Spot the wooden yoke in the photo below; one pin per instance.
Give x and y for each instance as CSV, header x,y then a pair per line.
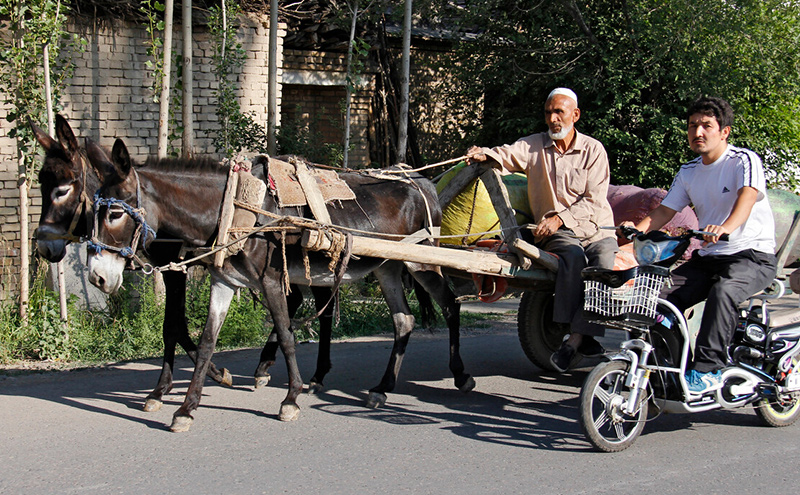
x,y
313,195
505,212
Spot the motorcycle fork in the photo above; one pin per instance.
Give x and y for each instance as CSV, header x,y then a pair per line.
x,y
639,375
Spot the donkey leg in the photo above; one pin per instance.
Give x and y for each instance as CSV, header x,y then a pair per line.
x,y
270,351
220,300
278,308
392,287
174,331
175,322
266,360
321,297
436,286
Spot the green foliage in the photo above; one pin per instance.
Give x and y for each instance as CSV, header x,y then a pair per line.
x,y
131,325
238,130
304,138
154,25
153,11
28,27
635,66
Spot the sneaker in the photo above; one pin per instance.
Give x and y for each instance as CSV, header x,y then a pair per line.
x,y
590,347
703,382
562,358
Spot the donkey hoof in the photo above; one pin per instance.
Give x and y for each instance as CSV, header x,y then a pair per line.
x,y
376,399
468,385
262,381
181,424
227,378
315,387
289,412
152,405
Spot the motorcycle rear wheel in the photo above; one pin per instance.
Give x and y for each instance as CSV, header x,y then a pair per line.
x,y
773,412
602,420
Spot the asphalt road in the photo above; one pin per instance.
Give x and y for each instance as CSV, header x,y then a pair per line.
x,y
517,432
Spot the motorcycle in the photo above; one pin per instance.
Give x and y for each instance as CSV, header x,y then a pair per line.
x,y
646,376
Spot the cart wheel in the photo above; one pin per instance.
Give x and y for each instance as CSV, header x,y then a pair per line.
x,y
538,335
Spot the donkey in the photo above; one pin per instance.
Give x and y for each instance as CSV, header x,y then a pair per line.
x,y
67,182
182,198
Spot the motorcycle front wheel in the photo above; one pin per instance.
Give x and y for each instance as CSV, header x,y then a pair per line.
x,y
602,419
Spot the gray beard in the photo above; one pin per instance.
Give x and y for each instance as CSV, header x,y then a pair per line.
x,y
559,135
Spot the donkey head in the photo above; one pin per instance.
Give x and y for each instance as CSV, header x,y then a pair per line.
x,y
117,220
62,180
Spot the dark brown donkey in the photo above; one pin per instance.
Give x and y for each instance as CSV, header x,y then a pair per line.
x,y
182,199
67,184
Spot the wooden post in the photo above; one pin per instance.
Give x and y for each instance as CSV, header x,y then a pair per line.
x,y
458,183
502,204
312,192
226,217
482,262
788,242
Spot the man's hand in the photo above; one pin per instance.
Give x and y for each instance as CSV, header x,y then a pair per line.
x,y
475,154
716,230
626,223
548,226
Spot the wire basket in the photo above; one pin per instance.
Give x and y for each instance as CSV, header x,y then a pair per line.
x,y
625,298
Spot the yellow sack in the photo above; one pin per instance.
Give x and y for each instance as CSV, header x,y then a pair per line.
x,y
460,217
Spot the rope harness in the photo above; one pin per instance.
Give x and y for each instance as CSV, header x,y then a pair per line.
x,y
137,215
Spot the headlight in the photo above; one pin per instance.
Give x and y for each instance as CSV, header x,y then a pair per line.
x,y
647,252
755,333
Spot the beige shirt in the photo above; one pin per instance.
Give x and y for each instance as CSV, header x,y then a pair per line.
x,y
572,185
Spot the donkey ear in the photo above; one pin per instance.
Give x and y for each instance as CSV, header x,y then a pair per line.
x,y
44,139
65,135
121,157
100,161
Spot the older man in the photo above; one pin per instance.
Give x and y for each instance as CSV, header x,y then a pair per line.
x,y
568,177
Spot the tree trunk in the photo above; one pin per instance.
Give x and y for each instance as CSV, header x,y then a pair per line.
x,y
272,74
349,82
187,148
24,248
402,134
58,268
163,116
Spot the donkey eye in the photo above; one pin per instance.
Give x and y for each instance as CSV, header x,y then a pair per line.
x,y
61,191
115,214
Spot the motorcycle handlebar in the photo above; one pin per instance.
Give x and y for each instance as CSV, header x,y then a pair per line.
x,y
630,233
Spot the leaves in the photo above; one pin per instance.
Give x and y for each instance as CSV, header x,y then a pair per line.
x,y
635,70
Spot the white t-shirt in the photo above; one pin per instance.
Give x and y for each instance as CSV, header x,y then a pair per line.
x,y
713,190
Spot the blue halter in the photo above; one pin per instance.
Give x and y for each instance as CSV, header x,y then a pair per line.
x,y
135,213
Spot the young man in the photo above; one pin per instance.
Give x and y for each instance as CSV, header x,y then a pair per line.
x,y
568,177
726,185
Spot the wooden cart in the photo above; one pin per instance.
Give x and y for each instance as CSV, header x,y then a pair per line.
x,y
525,267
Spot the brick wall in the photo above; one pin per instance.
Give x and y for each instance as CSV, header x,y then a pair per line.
x,y
314,95
109,97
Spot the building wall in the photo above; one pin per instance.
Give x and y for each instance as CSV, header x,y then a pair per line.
x,y
109,97
314,95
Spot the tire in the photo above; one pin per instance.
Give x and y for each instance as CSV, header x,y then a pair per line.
x,y
539,336
774,413
606,427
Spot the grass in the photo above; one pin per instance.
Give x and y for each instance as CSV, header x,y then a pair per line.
x,y
130,327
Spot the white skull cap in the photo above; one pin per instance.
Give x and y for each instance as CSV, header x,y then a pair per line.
x,y
564,91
